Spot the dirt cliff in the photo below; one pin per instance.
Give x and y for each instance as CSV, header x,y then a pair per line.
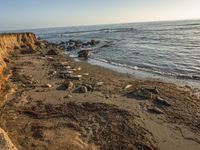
x,y
10,42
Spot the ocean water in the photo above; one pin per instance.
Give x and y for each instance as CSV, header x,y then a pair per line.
x,y
166,49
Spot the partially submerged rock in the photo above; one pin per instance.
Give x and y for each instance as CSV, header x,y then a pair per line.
x,y
84,53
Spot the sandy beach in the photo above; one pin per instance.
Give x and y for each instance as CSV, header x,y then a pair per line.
x,y
49,101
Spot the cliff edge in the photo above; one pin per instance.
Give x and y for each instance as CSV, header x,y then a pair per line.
x,y
9,43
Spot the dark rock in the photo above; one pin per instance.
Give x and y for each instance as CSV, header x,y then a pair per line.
x,y
28,50
83,89
105,46
86,44
6,60
89,87
141,94
84,53
162,101
52,52
62,43
93,42
153,90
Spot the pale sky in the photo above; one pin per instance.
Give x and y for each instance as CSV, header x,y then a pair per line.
x,y
26,14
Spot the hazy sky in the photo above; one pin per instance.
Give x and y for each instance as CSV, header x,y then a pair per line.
x,y
24,14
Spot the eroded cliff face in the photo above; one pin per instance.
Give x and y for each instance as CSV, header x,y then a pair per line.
x,y
10,42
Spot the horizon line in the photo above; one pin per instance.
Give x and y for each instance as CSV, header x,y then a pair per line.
x,y
49,27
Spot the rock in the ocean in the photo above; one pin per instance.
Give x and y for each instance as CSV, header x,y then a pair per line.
x,y
84,53
162,101
93,42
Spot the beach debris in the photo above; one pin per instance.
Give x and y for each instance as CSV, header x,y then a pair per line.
x,y
47,86
162,101
74,69
52,52
74,77
99,83
66,63
84,53
128,86
79,69
68,67
86,74
69,72
52,73
69,85
155,110
50,58
66,72
68,96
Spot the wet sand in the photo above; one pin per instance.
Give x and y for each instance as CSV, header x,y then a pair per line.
x,y
52,102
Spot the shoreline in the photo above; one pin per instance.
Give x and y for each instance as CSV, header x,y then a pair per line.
x,y
138,74
58,103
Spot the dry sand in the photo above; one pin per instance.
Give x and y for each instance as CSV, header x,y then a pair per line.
x,y
99,111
